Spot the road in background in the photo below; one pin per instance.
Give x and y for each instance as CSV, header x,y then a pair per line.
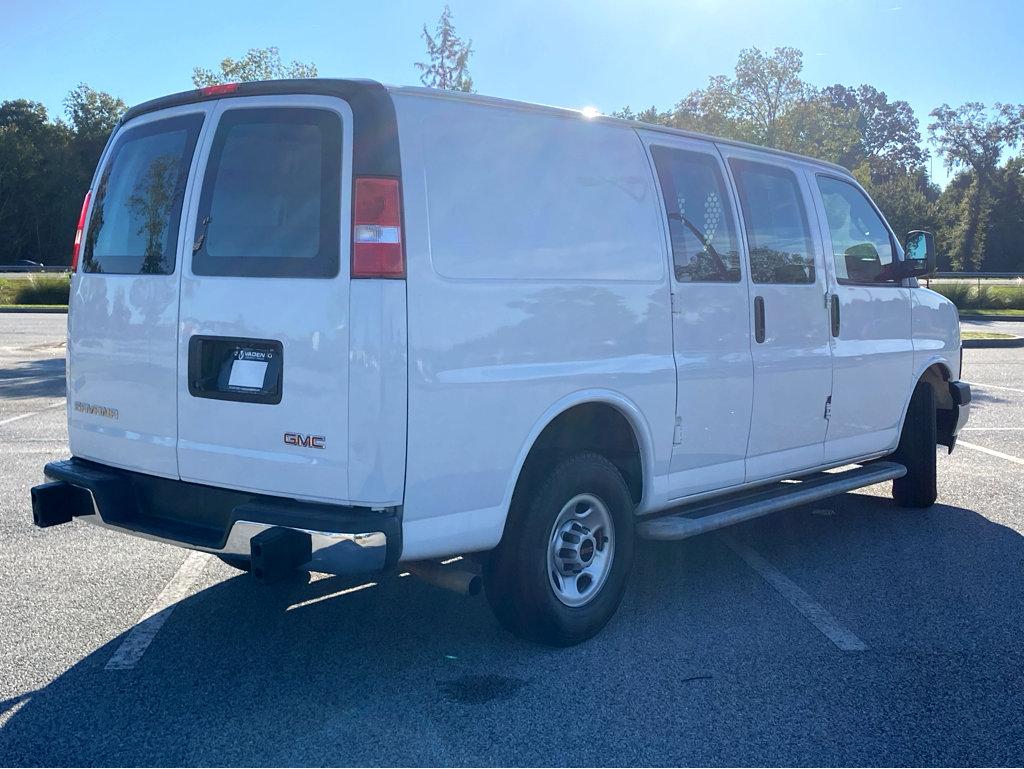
x,y
712,658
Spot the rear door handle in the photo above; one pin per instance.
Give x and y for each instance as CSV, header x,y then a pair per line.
x,y
759,319
834,314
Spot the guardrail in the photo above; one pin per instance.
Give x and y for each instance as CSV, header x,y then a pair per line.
x,y
979,275
26,268
1016,277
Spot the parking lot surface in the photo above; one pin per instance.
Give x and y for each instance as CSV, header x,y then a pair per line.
x,y
720,653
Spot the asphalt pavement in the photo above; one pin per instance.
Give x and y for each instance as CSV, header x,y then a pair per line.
x,y
719,654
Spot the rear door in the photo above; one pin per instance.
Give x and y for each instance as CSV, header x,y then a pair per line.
x,y
122,328
791,353
264,336
710,316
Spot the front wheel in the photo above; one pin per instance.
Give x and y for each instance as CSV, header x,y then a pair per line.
x,y
561,569
916,452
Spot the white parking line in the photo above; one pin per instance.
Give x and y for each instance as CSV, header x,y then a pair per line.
x,y
995,387
141,636
817,614
993,452
991,429
28,414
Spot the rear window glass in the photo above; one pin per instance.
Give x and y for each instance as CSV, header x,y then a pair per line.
x,y
134,225
271,199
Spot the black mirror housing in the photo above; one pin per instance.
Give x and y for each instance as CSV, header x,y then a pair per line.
x,y
919,259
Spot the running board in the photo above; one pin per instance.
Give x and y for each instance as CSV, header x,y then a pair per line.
x,y
715,514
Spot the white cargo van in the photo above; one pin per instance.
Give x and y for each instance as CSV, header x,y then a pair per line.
x,y
335,326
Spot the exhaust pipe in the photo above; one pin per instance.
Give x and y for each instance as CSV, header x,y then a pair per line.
x,y
457,580
276,553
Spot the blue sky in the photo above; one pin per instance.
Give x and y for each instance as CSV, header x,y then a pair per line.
x,y
566,52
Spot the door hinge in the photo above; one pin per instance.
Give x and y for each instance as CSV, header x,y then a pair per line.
x,y
828,407
677,434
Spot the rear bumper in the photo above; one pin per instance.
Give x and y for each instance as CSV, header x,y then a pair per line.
x,y
331,538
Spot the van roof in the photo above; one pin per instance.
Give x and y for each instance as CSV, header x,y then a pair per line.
x,y
371,92
533,107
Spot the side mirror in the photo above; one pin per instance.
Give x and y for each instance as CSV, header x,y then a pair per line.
x,y
919,259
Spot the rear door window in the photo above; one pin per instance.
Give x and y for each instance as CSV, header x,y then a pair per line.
x,y
699,216
271,199
778,236
134,225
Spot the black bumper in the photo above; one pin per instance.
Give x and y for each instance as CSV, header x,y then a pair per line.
x,y
343,540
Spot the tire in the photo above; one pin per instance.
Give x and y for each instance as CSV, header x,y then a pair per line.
x,y
916,451
532,585
236,561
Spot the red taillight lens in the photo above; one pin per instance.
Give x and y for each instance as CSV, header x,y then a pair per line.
x,y
377,229
78,233
217,90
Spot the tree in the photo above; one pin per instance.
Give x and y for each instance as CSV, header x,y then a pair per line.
x,y
256,64
972,140
650,115
1006,233
448,56
45,169
889,133
750,104
908,200
35,177
92,112
818,127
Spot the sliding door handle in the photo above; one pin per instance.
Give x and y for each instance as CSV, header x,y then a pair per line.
x,y
833,312
759,319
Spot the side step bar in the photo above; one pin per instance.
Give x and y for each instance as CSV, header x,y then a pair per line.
x,y
716,514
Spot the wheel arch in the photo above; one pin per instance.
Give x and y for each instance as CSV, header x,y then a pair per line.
x,y
938,373
552,434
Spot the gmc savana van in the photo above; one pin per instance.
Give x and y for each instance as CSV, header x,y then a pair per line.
x,y
330,325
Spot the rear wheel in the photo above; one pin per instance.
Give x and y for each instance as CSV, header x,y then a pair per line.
x,y
561,569
916,451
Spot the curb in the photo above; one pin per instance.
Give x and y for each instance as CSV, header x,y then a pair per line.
x,y
1015,342
53,310
1001,318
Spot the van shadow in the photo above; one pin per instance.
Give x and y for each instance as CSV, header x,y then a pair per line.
x,y
43,378
322,673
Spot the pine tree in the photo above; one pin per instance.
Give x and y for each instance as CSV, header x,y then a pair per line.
x,y
448,65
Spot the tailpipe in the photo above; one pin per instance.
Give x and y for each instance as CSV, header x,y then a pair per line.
x,y
276,553
458,580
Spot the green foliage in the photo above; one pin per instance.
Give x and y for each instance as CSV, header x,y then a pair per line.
x,y
93,113
447,65
978,220
256,64
970,296
35,289
908,199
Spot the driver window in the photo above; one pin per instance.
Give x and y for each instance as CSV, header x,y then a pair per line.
x,y
700,219
861,246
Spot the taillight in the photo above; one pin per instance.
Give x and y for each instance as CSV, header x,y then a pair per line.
x,y
78,233
377,229
217,90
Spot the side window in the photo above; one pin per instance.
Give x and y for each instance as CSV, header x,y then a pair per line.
x,y
137,209
704,246
861,245
778,235
271,199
